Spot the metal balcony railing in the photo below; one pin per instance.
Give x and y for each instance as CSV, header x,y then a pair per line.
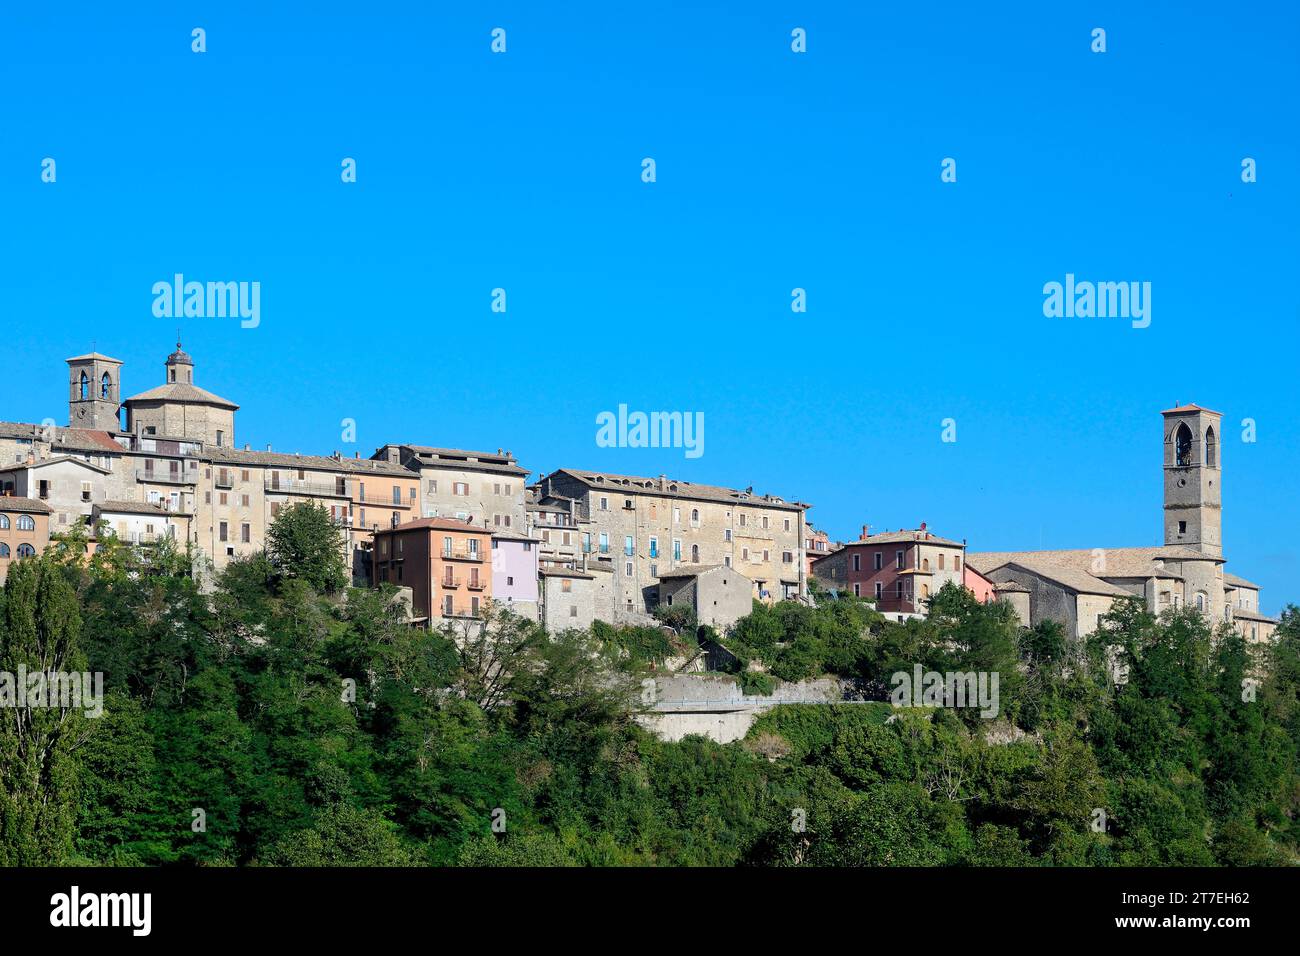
x,y
321,489
165,477
457,554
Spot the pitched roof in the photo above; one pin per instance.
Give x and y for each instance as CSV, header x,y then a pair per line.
x,y
503,463
437,524
84,439
1183,409
29,505
94,356
899,537
1248,615
181,392
563,573
1233,581
58,459
275,459
689,571
674,488
1119,562
133,508
1081,582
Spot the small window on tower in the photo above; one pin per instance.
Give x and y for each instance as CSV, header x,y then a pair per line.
x,y
1182,527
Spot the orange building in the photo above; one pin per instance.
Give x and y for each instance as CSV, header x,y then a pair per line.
x,y
24,530
445,562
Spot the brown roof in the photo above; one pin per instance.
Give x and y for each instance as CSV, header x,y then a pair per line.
x,y
133,508
901,537
93,355
1081,582
1231,580
1182,409
474,460
1120,562
83,439
437,524
181,392
675,488
563,573
1248,615
274,459
690,571
13,504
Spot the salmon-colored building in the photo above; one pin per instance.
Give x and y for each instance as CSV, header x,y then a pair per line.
x,y
977,584
24,530
447,564
898,570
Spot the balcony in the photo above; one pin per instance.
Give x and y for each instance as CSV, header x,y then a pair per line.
x,y
456,554
450,583
476,585
317,489
164,477
226,480
892,603
388,502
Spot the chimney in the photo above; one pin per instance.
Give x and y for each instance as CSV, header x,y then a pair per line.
x,y
922,525
247,447
865,527
357,455
268,446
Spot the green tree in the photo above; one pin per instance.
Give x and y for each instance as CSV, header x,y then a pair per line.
x,y
304,543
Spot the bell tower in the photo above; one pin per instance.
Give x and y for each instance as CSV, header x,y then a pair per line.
x,y
94,392
1193,488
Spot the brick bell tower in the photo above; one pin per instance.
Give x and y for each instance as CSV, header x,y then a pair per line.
x,y
1193,472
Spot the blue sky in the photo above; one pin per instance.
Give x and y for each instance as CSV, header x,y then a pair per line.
x,y
775,171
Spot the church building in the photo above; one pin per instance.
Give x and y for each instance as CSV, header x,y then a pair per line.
x,y
1076,587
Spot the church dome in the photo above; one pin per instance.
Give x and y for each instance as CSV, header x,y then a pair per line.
x,y
179,357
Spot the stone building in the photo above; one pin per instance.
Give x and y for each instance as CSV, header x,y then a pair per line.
x,y
1076,586
642,527
574,598
719,596
468,485
180,409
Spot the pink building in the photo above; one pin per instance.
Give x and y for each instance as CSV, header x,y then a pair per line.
x,y
978,585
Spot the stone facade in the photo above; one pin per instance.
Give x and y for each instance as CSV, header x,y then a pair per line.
x,y
642,526
469,485
720,596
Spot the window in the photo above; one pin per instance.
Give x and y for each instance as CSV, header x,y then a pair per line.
x,y
744,554
941,562
221,439
628,547
224,532
726,560
742,521
446,606
726,535
566,585
956,562
25,550
787,557
85,386
695,554
627,569
857,562
1200,601
105,386
880,590
246,533
695,517
764,522
1183,446
573,611
654,546
397,495
898,559
767,555
880,558
586,542
604,504
4,522
857,590
460,488
604,543
787,524
677,549
1210,449
677,516
26,523
1182,527
4,550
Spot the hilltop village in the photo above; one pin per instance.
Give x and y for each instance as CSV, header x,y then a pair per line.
x,y
459,528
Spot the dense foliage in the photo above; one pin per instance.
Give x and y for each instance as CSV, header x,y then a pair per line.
x,y
283,720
